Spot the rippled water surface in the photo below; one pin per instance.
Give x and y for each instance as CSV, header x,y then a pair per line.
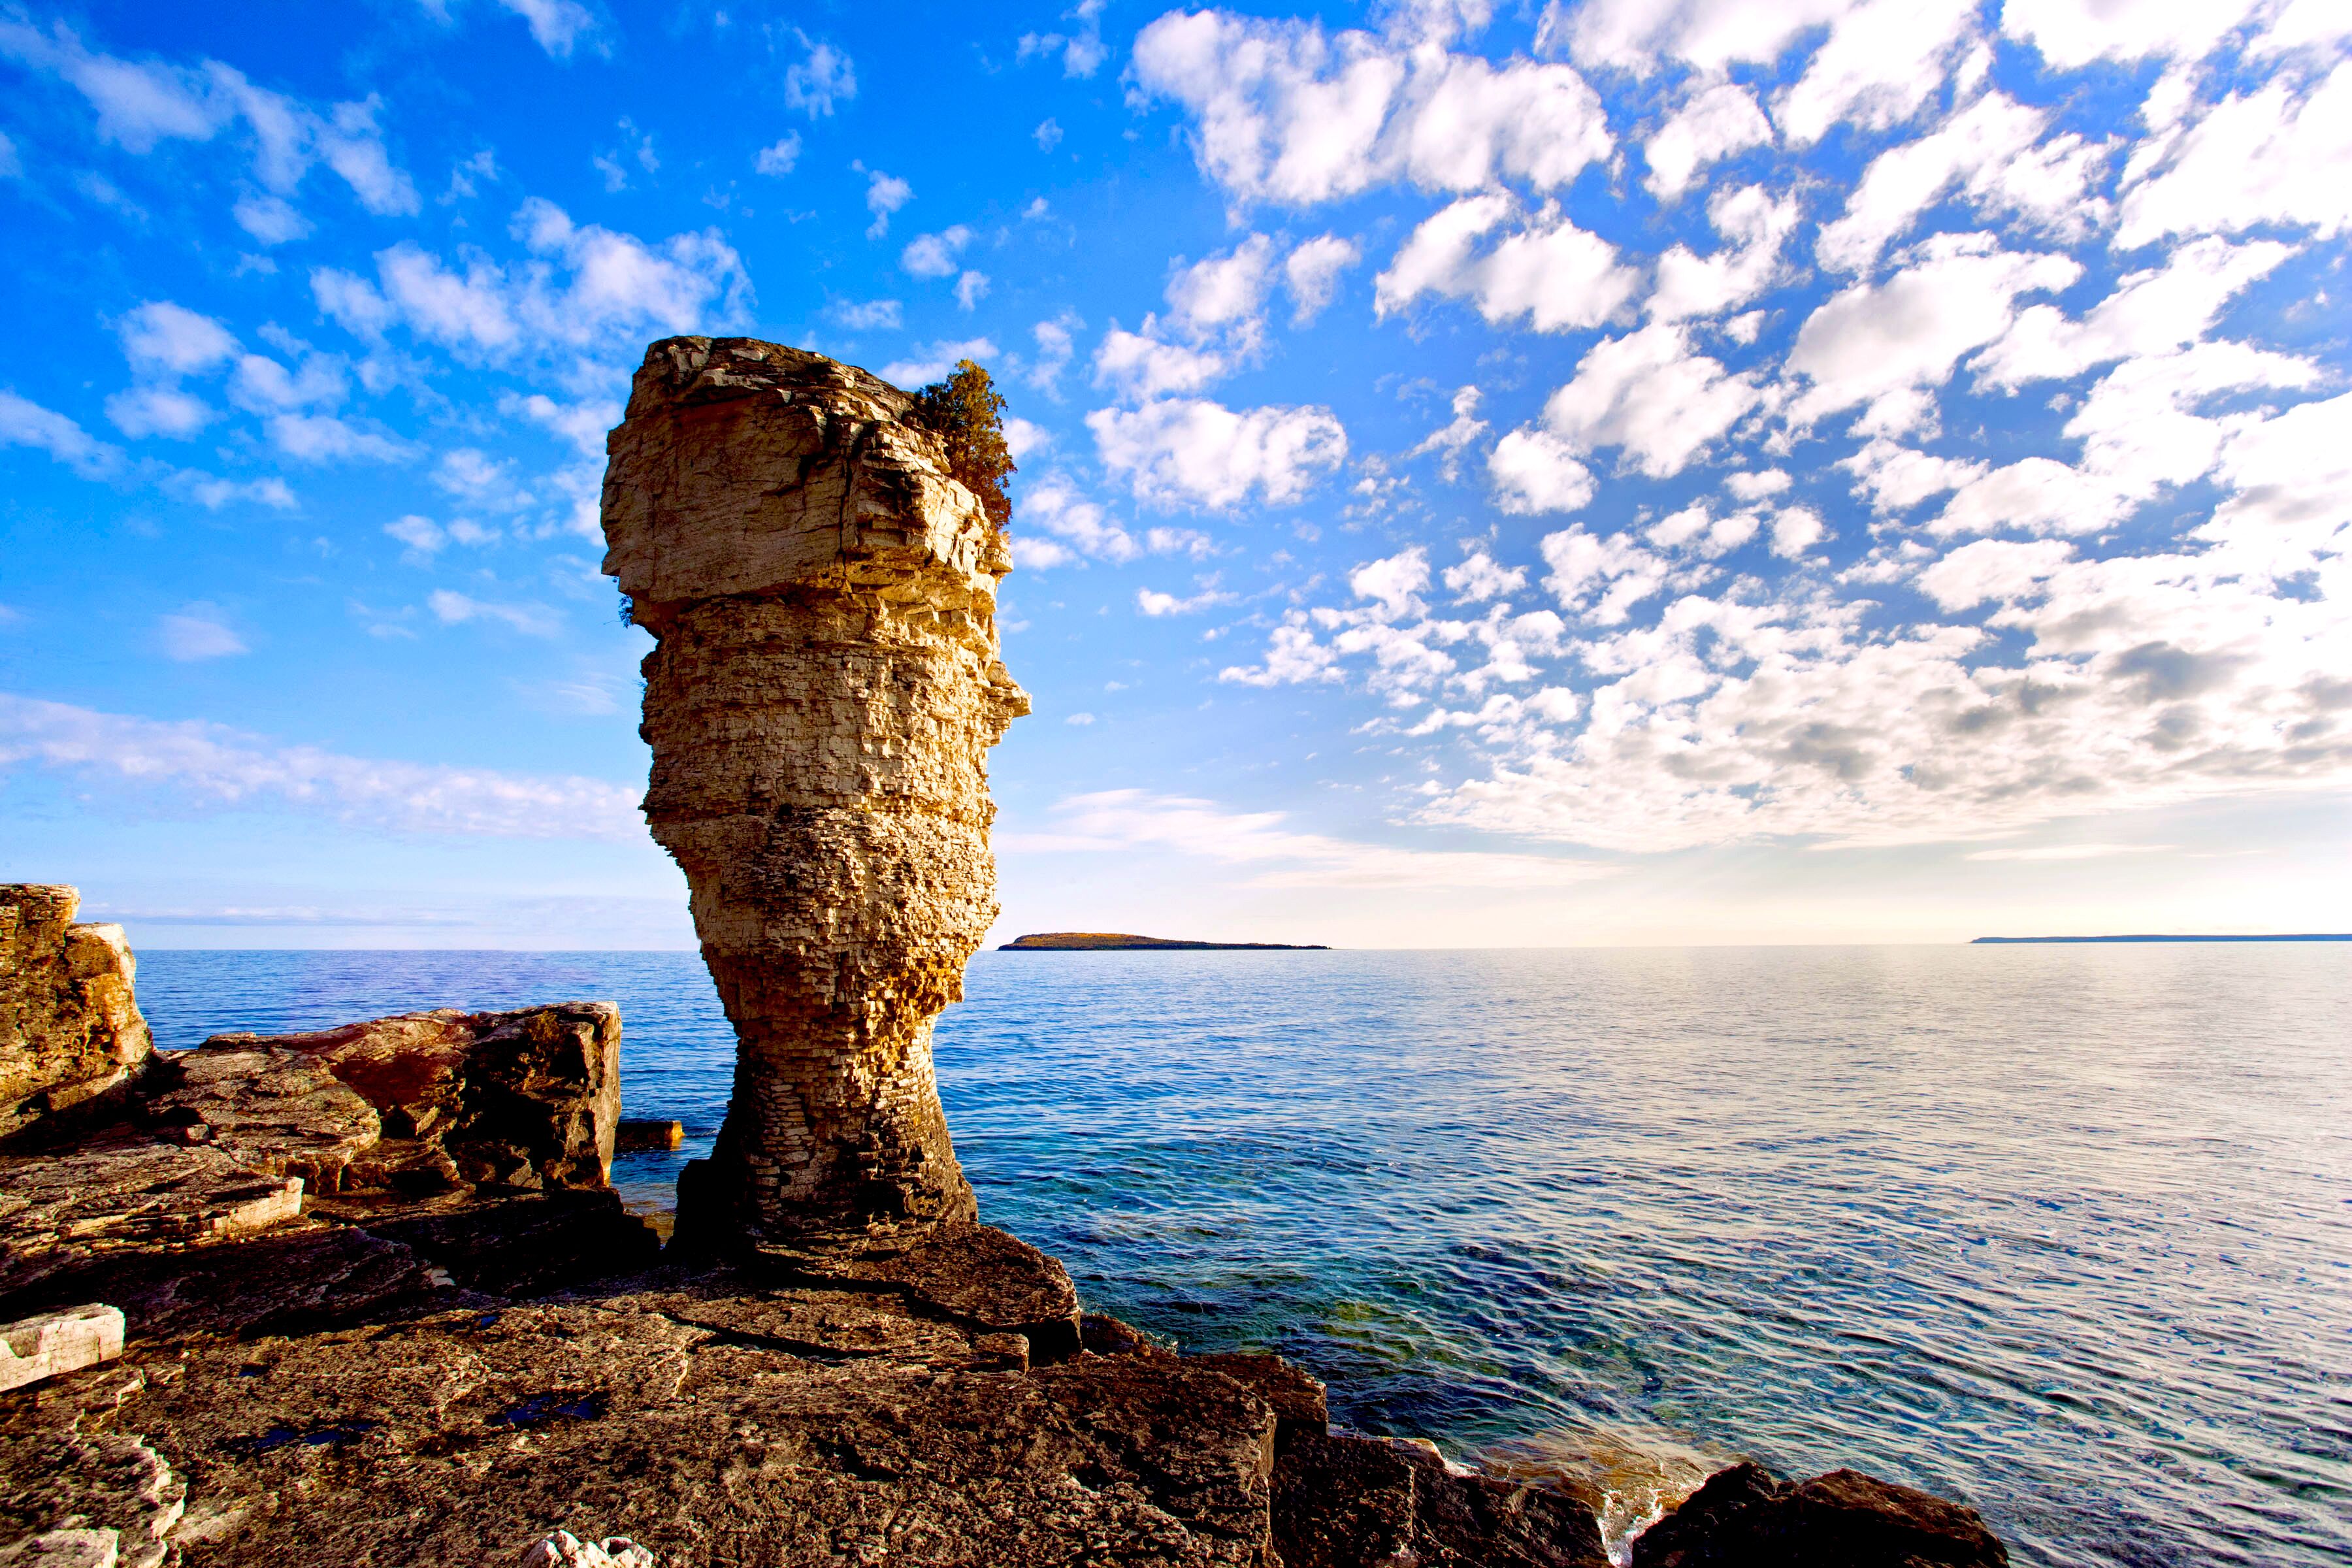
x,y
2064,1232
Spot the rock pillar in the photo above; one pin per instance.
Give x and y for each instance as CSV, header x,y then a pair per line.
x,y
820,705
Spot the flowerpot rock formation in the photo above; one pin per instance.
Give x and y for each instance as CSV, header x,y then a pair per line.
x,y
820,703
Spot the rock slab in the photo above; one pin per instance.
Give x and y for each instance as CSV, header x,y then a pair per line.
x,y
34,1348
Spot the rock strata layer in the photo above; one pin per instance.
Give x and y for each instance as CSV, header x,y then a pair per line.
x,y
820,701
70,1035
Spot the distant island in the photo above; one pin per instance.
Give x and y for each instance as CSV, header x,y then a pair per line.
x,y
1123,941
2303,936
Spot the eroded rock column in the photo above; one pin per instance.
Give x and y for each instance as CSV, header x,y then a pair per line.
x,y
820,706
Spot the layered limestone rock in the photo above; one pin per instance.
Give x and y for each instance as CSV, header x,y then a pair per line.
x,y
70,1033
820,704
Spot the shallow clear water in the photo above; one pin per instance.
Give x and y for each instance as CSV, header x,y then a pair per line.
x,y
2064,1232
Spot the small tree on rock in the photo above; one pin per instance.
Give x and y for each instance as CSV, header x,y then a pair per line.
x,y
966,414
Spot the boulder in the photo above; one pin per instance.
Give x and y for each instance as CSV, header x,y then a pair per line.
x,y
71,1039
523,1101
1346,1501
1744,1517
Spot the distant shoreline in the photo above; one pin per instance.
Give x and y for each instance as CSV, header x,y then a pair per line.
x,y
2303,936
1124,942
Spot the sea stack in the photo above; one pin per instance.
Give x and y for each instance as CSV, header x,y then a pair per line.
x,y
820,702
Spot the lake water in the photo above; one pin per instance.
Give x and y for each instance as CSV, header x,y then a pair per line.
x,y
2063,1231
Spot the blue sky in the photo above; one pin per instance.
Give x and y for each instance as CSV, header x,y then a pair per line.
x,y
1709,471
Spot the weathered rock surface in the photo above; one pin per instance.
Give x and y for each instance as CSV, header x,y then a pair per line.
x,y
275,1112
1743,1518
70,1035
466,1436
522,1100
820,704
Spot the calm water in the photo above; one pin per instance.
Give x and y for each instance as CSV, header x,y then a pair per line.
x,y
2066,1233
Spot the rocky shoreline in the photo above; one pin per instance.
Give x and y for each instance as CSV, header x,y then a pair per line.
x,y
367,1295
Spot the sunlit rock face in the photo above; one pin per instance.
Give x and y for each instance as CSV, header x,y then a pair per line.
x,y
70,1035
820,706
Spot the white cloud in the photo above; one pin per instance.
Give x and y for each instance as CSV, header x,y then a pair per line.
x,y
196,764
2069,852
1287,113
1082,49
422,535
885,195
971,290
1057,340
1393,584
142,104
1534,471
1048,134
1220,292
1880,65
1599,578
1080,524
24,423
1795,529
1079,718
934,255
164,339
1751,487
196,633
1152,602
164,411
1754,226
867,316
324,438
1899,477
1142,365
1717,120
2071,34
588,286
821,77
1180,451
1635,36
1123,821
1992,569
555,25
778,157
1693,530
272,220
933,360
1649,393
1478,577
2149,313
453,609
1455,438
1312,272
1908,333
1558,276
2267,157
1987,152
1022,437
